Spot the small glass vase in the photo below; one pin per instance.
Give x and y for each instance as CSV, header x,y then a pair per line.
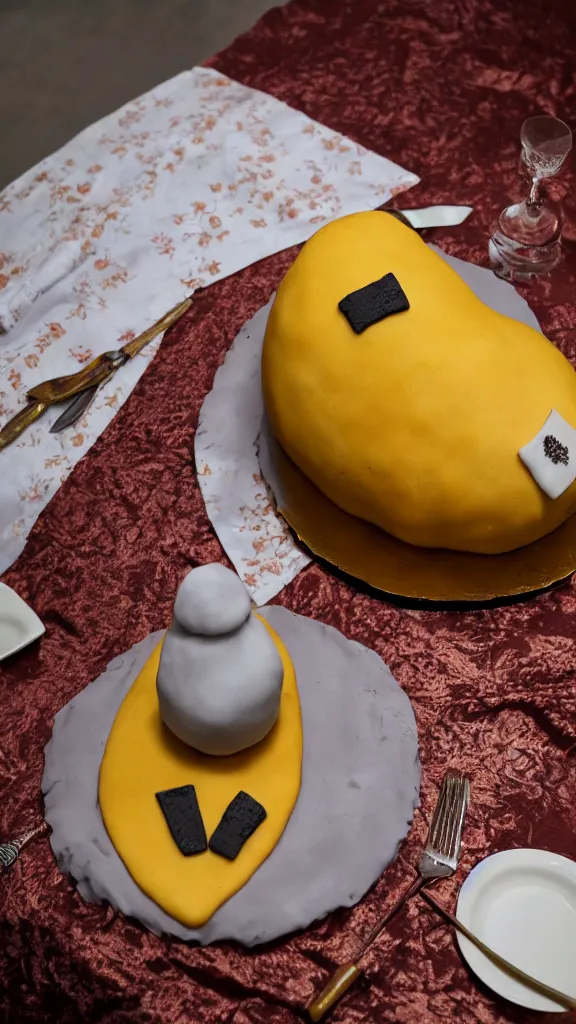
x,y
526,239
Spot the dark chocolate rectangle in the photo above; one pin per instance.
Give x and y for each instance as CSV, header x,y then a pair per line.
x,y
182,813
373,303
240,819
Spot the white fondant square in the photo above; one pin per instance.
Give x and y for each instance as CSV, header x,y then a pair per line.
x,y
551,455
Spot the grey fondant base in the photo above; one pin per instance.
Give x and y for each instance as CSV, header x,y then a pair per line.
x,y
360,784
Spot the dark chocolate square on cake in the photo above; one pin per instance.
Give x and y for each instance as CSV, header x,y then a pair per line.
x,y
374,302
183,817
240,819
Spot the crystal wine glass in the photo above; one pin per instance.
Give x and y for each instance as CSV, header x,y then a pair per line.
x,y
526,238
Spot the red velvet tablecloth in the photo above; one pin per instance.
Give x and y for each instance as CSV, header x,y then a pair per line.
x,y
442,86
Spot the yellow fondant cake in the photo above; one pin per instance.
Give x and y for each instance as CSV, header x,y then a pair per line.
x,y
143,757
416,423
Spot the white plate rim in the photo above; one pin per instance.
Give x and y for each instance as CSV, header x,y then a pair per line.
x,y
478,963
33,626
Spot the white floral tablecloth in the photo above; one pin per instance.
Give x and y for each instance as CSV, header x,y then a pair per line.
x,y
185,185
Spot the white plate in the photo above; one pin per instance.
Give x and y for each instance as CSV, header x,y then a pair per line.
x,y
522,903
19,625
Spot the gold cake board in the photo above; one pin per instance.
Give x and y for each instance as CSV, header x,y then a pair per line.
x,y
408,573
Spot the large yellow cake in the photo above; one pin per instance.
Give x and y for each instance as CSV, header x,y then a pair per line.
x,y
416,423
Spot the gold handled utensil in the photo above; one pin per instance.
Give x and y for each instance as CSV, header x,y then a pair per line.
x,y
10,851
439,860
95,373
500,961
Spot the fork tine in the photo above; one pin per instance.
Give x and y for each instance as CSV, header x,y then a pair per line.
x,y
455,820
439,823
457,817
446,827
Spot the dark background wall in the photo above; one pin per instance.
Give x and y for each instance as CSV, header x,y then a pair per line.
x,y
66,63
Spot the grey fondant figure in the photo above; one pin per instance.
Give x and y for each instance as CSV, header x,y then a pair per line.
x,y
220,675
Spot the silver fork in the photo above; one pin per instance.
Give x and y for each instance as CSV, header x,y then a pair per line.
x,y
439,860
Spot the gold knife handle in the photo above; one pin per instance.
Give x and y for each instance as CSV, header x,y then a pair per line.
x,y
338,984
539,986
132,348
19,422
60,388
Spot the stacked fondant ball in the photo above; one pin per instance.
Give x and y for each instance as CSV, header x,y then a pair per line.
x,y
220,676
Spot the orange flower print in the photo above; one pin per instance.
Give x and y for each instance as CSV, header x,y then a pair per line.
x,y
70,163
43,341
179,218
164,244
41,177
98,231
267,196
101,264
397,189
56,330
81,355
287,209
316,179
214,267
4,279
95,169
78,440
15,379
215,222
127,336
267,158
222,235
78,311
355,167
84,188
261,223
204,239
179,152
119,277
72,199
31,360
199,207
217,187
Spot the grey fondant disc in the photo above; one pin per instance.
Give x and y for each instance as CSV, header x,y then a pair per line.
x,y
360,784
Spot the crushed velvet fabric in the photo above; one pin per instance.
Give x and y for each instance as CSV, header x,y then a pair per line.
x,y
442,87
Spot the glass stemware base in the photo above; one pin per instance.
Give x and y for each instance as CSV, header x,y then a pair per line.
x,y
525,241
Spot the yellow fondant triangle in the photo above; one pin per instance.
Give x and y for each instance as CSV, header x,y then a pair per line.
x,y
142,757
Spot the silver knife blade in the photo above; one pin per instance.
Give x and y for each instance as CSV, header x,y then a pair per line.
x,y
75,410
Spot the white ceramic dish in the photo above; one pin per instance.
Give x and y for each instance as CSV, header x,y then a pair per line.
x,y
522,903
19,625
